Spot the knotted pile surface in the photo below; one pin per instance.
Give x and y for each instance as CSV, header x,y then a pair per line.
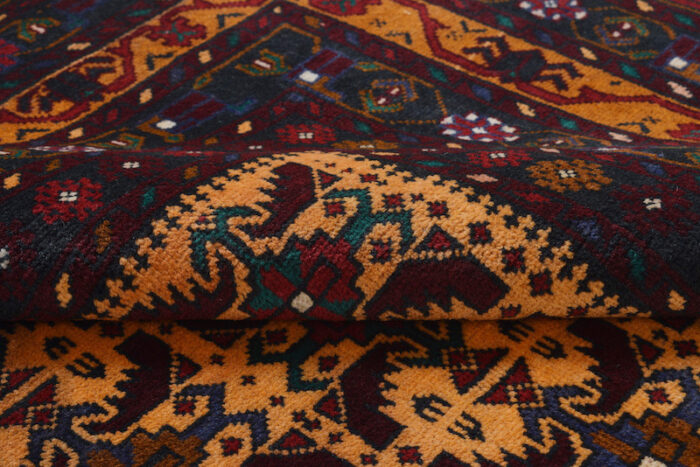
x,y
350,232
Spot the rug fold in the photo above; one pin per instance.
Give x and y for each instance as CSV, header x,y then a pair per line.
x,y
424,233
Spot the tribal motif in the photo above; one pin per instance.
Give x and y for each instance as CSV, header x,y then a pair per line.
x,y
350,233
530,392
383,230
345,236
611,72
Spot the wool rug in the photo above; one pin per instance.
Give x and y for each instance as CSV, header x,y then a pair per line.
x,y
539,391
350,232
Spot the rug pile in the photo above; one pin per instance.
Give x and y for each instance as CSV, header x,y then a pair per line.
x,y
350,232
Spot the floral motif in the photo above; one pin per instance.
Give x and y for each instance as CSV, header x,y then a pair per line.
x,y
657,208
316,280
554,9
306,134
568,175
67,199
500,158
472,127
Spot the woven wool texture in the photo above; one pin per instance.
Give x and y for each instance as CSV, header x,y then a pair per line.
x,y
350,232
545,392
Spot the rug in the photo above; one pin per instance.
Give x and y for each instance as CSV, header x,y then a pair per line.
x,y
350,232
539,391
347,235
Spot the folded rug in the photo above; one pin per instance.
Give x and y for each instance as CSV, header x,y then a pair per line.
x,y
262,232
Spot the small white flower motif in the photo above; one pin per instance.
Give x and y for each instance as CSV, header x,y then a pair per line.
x,y
652,203
306,135
554,9
68,196
497,155
4,258
568,173
131,165
471,127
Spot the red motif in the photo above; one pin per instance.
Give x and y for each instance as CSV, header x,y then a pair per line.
x,y
658,208
473,127
65,200
501,158
306,134
8,52
686,131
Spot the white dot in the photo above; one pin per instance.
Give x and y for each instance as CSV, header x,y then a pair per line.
x,y
302,302
678,63
309,76
166,124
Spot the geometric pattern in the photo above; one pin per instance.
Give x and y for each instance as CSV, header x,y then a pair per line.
x,y
327,234
528,392
546,151
602,72
365,232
